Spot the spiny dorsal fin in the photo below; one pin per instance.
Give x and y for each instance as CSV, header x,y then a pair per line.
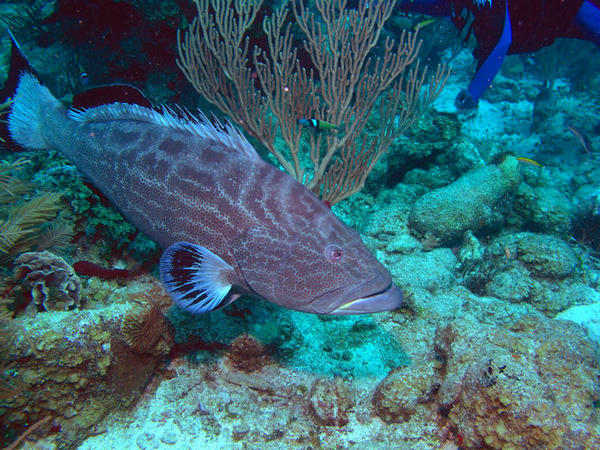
x,y
183,120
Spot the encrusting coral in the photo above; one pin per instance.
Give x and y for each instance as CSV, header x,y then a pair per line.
x,y
52,283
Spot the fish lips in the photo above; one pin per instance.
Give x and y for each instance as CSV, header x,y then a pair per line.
x,y
387,299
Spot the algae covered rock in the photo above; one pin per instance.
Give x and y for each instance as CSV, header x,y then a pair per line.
x,y
74,367
513,285
531,384
397,396
428,270
545,208
466,204
546,256
529,267
330,401
248,354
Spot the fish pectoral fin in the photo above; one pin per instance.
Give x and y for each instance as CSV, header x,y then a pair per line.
x,y
196,278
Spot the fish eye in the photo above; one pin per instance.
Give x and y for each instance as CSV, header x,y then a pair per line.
x,y
333,253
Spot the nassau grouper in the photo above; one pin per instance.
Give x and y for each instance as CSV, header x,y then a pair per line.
x,y
231,223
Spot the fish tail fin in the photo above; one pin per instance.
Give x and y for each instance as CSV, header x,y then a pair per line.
x,y
31,103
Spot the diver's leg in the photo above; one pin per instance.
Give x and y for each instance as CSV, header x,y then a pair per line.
x,y
487,71
429,7
588,21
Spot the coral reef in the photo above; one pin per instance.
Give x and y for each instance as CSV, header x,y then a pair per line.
x,y
532,384
488,220
51,283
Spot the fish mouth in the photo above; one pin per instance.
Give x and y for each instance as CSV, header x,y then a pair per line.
x,y
387,299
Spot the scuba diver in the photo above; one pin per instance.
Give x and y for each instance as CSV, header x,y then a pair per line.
x,y
504,27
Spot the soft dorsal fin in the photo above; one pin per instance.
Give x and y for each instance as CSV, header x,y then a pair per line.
x,y
112,93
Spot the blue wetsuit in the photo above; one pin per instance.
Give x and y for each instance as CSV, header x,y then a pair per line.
x,y
504,27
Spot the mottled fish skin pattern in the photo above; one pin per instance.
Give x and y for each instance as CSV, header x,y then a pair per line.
x,y
285,245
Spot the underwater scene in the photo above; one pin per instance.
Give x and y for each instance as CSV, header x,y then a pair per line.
x,y
271,224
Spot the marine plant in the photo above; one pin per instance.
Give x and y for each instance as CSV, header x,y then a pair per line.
x,y
273,95
148,330
23,222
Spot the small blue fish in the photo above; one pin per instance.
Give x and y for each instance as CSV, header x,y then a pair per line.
x,y
84,78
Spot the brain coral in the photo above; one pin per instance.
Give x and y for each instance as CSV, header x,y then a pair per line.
x,y
532,384
51,282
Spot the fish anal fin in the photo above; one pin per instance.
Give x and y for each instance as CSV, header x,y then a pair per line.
x,y
195,278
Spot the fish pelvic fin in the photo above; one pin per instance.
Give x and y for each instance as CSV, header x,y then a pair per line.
x,y
195,278
32,101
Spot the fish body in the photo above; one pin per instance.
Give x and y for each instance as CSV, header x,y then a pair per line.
x,y
231,223
580,136
317,124
529,161
422,24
